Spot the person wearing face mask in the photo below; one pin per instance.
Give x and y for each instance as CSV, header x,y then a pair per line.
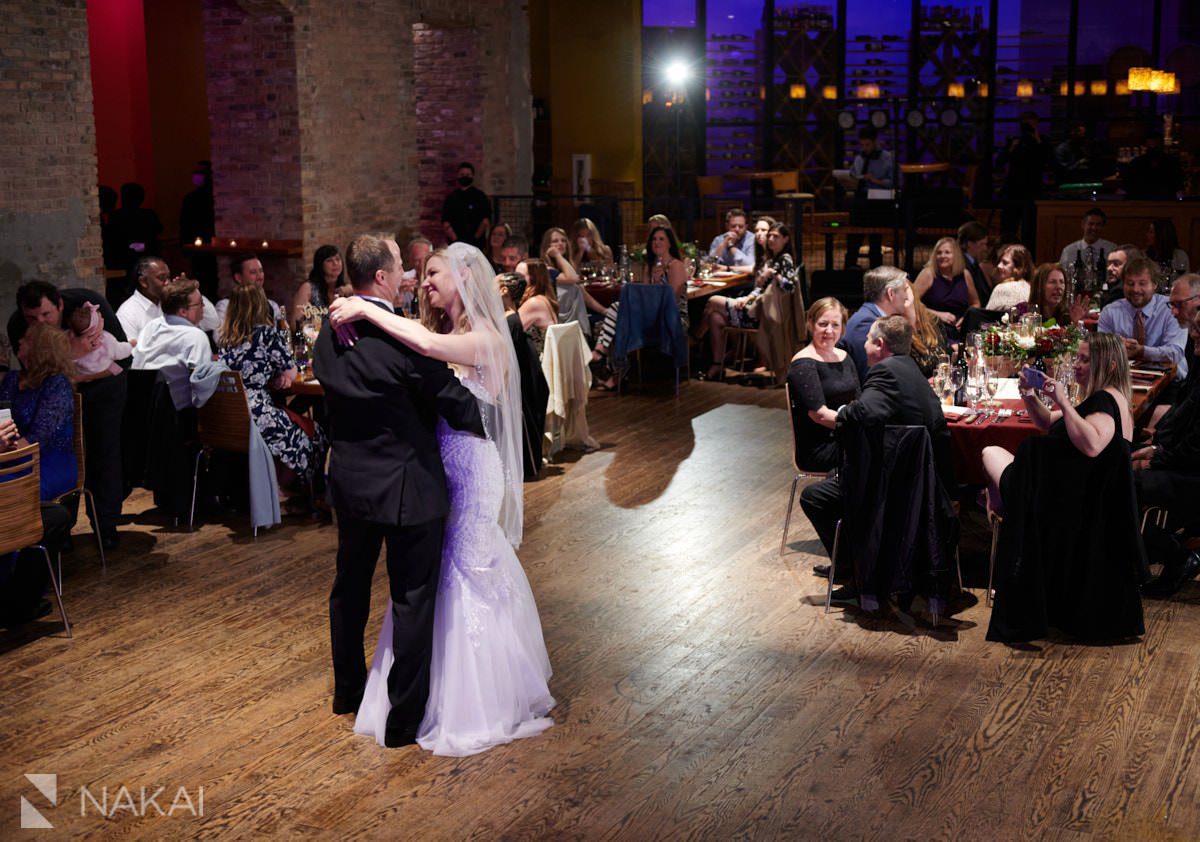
x,y
467,211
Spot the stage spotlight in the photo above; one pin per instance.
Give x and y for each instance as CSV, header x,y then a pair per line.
x,y
915,118
879,118
948,118
677,73
845,119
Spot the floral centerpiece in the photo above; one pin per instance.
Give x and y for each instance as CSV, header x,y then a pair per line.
x,y
1020,345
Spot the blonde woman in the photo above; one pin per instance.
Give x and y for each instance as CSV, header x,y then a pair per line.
x,y
554,251
587,246
945,286
1012,287
1070,556
928,340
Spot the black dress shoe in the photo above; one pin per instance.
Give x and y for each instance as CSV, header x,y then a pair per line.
x,y
346,704
395,738
1172,579
110,542
846,593
821,570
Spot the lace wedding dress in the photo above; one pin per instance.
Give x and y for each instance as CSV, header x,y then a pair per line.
x,y
489,672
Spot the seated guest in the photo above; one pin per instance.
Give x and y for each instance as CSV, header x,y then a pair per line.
x,y
573,299
104,393
895,392
321,285
1012,286
929,339
973,240
538,304
1113,283
24,576
103,359
588,246
252,345
871,169
1080,569
658,219
415,254
886,292
500,232
535,391
664,265
945,286
152,275
175,339
821,379
735,247
43,405
762,227
1143,320
780,268
247,270
513,251
1091,248
1049,292
1162,246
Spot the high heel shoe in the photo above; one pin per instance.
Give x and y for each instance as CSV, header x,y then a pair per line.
x,y
716,373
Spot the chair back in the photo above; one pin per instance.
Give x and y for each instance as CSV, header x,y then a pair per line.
x,y
223,423
786,182
565,365
20,499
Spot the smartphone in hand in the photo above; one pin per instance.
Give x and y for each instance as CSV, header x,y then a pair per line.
x,y
1033,378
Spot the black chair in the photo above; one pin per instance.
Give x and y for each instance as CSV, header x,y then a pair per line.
x,y
846,285
900,520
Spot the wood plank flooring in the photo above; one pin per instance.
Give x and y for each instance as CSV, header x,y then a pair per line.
x,y
702,691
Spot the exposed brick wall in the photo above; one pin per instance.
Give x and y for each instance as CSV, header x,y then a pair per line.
x,y
449,114
49,213
254,119
358,136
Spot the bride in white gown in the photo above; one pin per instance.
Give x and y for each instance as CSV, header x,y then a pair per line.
x,y
489,671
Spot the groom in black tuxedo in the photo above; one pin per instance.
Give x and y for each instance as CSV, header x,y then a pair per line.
x,y
387,484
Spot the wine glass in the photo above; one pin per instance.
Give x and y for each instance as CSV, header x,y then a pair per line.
x,y
991,385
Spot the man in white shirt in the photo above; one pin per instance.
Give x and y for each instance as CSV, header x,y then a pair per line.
x,y
735,247
174,344
152,275
247,269
1092,248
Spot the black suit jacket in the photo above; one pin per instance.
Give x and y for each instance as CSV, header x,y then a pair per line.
x,y
384,400
895,392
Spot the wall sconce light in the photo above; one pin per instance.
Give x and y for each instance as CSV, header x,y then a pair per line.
x,y
982,90
762,92
869,91
1121,88
829,92
797,92
956,90
1098,87
647,96
1024,89
1080,89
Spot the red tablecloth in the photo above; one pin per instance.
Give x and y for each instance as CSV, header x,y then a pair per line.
x,y
968,441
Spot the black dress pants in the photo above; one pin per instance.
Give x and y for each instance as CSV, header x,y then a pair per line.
x,y
414,560
24,577
822,502
103,410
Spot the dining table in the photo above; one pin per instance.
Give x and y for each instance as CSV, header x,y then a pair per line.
x,y
1006,425
717,282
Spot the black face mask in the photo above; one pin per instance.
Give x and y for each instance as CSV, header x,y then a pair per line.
x,y
465,180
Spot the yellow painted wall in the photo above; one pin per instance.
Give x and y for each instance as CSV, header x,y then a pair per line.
x,y
592,83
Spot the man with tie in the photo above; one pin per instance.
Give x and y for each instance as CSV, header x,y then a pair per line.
x,y
1090,250
1144,321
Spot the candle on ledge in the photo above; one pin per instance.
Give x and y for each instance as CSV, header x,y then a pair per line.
x,y
264,245
233,244
199,242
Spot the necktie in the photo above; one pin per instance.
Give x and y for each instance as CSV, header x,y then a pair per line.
x,y
1139,327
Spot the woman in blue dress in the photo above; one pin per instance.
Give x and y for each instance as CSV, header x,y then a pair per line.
x,y
43,404
258,350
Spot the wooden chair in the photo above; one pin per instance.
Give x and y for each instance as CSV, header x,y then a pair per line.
x,y
222,424
88,500
21,511
741,338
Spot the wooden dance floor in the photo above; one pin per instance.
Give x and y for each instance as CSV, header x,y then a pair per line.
x,y
702,692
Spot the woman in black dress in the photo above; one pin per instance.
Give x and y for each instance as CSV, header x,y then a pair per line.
x,y
1070,555
821,378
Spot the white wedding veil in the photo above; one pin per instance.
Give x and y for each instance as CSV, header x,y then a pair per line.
x,y
496,362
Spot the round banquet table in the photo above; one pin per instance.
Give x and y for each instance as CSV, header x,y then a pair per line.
x,y
967,441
